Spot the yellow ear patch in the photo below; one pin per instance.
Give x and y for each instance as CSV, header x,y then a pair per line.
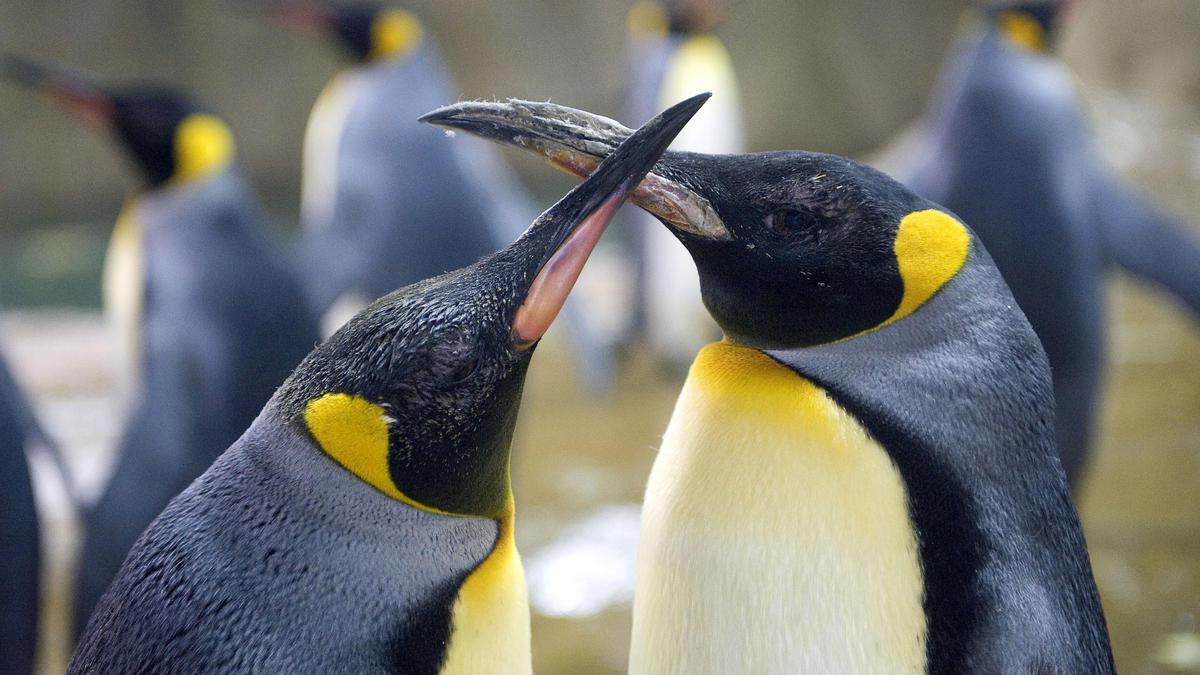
x,y
647,19
931,247
1023,31
394,33
354,432
203,146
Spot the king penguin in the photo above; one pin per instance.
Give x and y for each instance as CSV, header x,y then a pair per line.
x,y
672,51
861,477
208,318
1005,145
19,543
364,522
374,179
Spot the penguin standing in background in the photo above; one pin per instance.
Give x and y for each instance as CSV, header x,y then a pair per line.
x,y
862,476
208,317
19,543
673,51
364,523
374,179
1005,146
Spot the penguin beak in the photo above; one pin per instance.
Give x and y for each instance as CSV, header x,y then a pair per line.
x,y
68,90
563,237
575,141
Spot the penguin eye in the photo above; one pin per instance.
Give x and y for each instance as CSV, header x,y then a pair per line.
x,y
792,222
788,221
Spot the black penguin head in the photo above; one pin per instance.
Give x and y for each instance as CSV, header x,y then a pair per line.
x,y
418,394
676,17
168,136
368,31
792,248
688,17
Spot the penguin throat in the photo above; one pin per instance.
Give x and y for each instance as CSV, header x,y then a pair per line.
x,y
490,616
772,510
203,146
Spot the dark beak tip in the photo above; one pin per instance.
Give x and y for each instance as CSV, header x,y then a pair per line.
x,y
437,116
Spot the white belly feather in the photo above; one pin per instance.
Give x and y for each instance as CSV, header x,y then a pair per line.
x,y
775,534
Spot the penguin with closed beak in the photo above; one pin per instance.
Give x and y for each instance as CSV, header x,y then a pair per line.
x,y
208,317
364,522
1006,145
374,179
861,477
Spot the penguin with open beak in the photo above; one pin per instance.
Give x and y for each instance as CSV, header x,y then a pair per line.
x,y
364,522
861,477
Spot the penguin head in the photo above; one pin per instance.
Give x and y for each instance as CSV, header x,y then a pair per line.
x,y
792,248
1033,25
677,17
368,31
418,394
689,17
169,137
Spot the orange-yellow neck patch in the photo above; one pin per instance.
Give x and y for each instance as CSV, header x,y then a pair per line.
x,y
203,146
395,33
354,432
1024,31
931,247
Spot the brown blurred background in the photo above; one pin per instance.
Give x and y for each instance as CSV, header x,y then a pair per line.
x,y
841,77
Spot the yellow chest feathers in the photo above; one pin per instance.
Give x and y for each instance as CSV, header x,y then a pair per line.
x,y
490,616
775,534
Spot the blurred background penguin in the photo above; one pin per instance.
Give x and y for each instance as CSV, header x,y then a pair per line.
x,y
672,50
207,317
1005,144
374,180
19,545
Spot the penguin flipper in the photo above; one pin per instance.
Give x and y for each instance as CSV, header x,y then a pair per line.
x,y
1142,240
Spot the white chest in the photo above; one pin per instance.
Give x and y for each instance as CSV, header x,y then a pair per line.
x,y
124,289
322,138
775,534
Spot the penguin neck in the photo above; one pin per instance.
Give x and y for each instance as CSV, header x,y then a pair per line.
x,y
769,508
490,616
999,537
